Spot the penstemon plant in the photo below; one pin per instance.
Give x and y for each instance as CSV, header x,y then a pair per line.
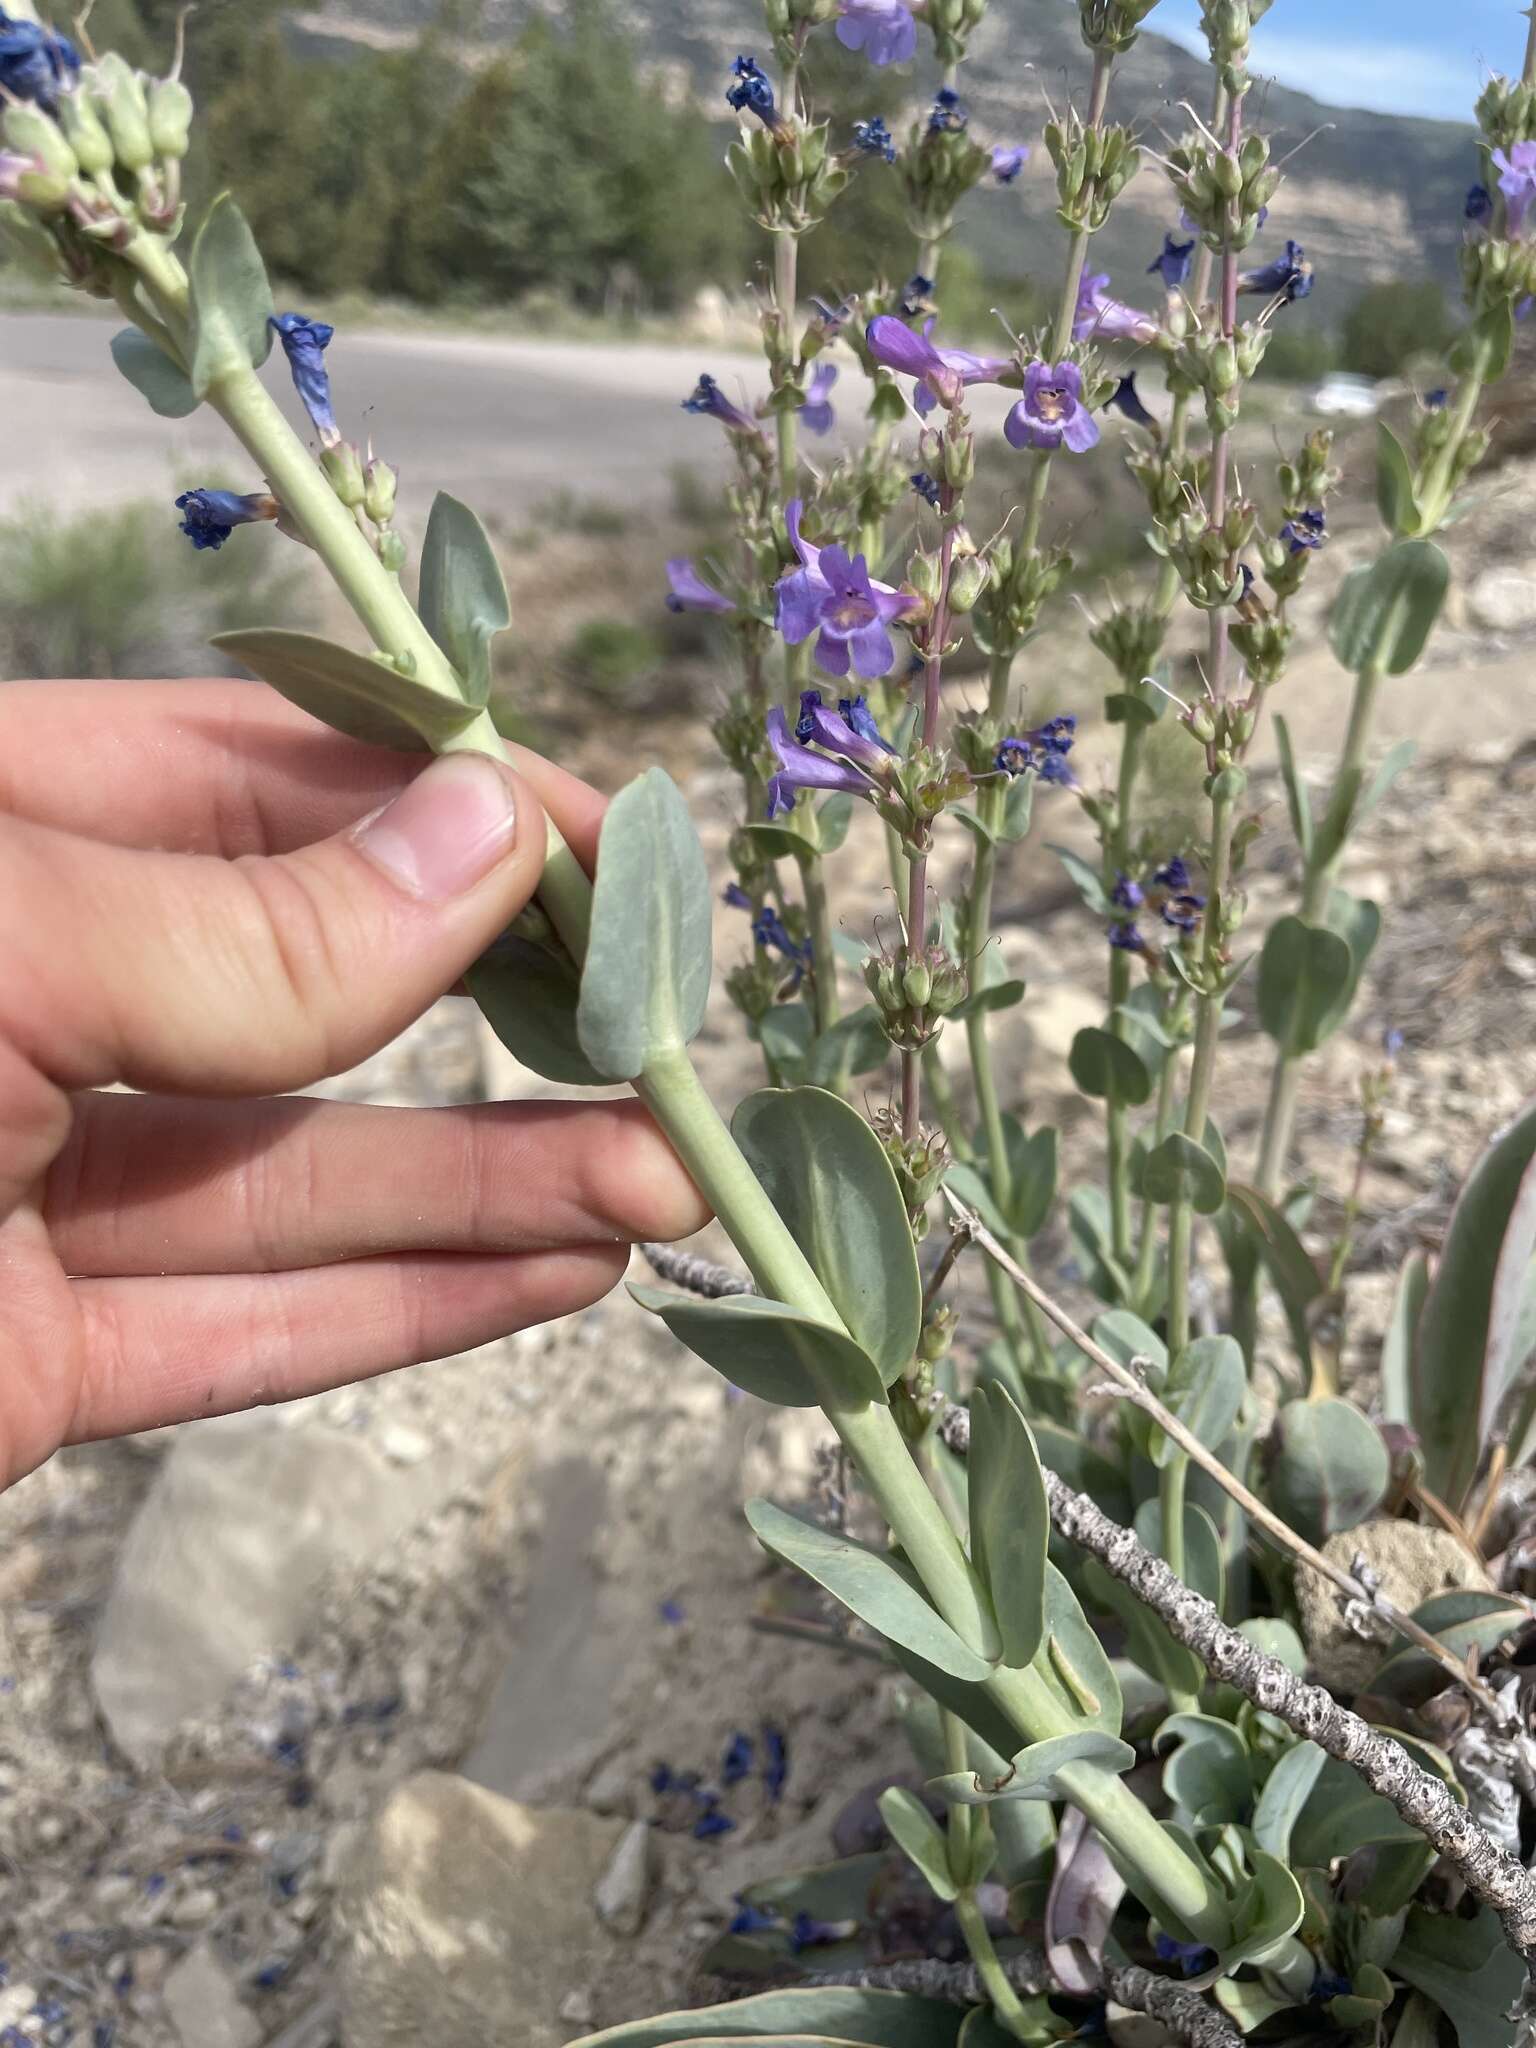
x,y
1296,1873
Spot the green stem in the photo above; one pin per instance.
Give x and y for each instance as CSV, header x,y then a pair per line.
x,y
1115,1119
818,918
964,1822
1146,1251
1208,1013
786,257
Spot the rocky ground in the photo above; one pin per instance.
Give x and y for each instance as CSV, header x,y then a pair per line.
x,y
335,1723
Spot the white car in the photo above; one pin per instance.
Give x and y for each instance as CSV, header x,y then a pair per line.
x,y
1347,397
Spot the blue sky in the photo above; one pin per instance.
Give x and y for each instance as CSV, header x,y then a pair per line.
x,y
1400,56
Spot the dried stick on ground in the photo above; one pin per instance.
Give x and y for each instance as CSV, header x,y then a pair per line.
x,y
1185,2014
1134,1387
1489,1872
698,1276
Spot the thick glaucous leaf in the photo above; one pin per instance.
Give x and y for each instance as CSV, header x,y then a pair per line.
x,y
1024,1833
792,838
1034,1773
1342,1813
1393,762
1276,1639
1286,1792
1394,483
1032,1163
231,297
1139,1021
1358,923
1467,1968
1010,1520
855,1044
1180,1169
1107,1068
868,1585
153,375
834,814
1463,1361
877,2019
972,1702
1208,1776
529,997
1038,2026
919,1836
1304,973
969,1184
1073,1662
997,995
1296,794
786,1033
1290,1266
828,1176
646,978
768,1348
1128,1340
1204,1389
1087,880
352,693
827,1891
463,596
1467,1621
1268,1909
1385,609
1018,809
1328,1467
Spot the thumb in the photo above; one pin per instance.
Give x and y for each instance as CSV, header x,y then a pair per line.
x,y
190,974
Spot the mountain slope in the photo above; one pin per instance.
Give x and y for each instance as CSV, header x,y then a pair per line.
x,y
1372,196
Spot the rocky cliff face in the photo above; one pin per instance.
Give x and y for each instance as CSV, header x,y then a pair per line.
x,y
1372,196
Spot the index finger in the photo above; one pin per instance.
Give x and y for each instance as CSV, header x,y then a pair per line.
x,y
220,766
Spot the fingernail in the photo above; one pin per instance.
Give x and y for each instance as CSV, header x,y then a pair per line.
x,y
447,831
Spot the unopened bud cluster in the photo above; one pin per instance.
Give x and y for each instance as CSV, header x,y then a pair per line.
x,y
941,163
1130,639
1217,366
788,174
914,991
919,1164
1112,25
1206,556
1093,167
1228,25
953,22
1020,582
1224,193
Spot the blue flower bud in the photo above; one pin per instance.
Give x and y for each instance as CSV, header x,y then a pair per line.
x,y
35,63
304,344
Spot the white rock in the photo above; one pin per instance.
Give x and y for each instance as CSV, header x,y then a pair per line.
x,y
203,2007
243,1521
624,1887
403,1445
196,1908
16,2001
577,2007
1503,600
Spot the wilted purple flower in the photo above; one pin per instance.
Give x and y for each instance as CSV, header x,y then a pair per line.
x,y
304,344
1126,894
689,592
916,296
1479,204
776,1763
1173,266
773,935
1051,414
883,29
1008,159
1328,1984
737,897
1102,318
1126,939
210,517
1127,399
1044,748
35,63
1288,275
873,138
737,1760
949,114
1182,912
926,488
1517,182
1174,874
816,415
707,398
712,1821
806,1932
752,1919
1305,532
1191,1956
753,93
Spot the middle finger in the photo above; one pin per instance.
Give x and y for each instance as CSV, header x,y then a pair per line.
x,y
150,1184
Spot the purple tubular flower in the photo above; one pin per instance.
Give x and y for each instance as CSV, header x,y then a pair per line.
x,y
816,415
856,714
926,488
1126,939
737,897
1183,912
1102,318
752,1919
1517,182
1007,162
1479,205
1126,894
753,94
1173,265
1051,414
707,398
835,598
210,517
1044,748
1288,276
689,592
35,63
304,344
1127,399
1174,875
1306,532
883,29
800,768
897,347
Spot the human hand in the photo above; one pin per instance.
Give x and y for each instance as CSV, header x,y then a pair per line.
x,y
189,905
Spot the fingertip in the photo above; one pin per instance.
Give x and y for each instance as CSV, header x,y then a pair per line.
x,y
645,1187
